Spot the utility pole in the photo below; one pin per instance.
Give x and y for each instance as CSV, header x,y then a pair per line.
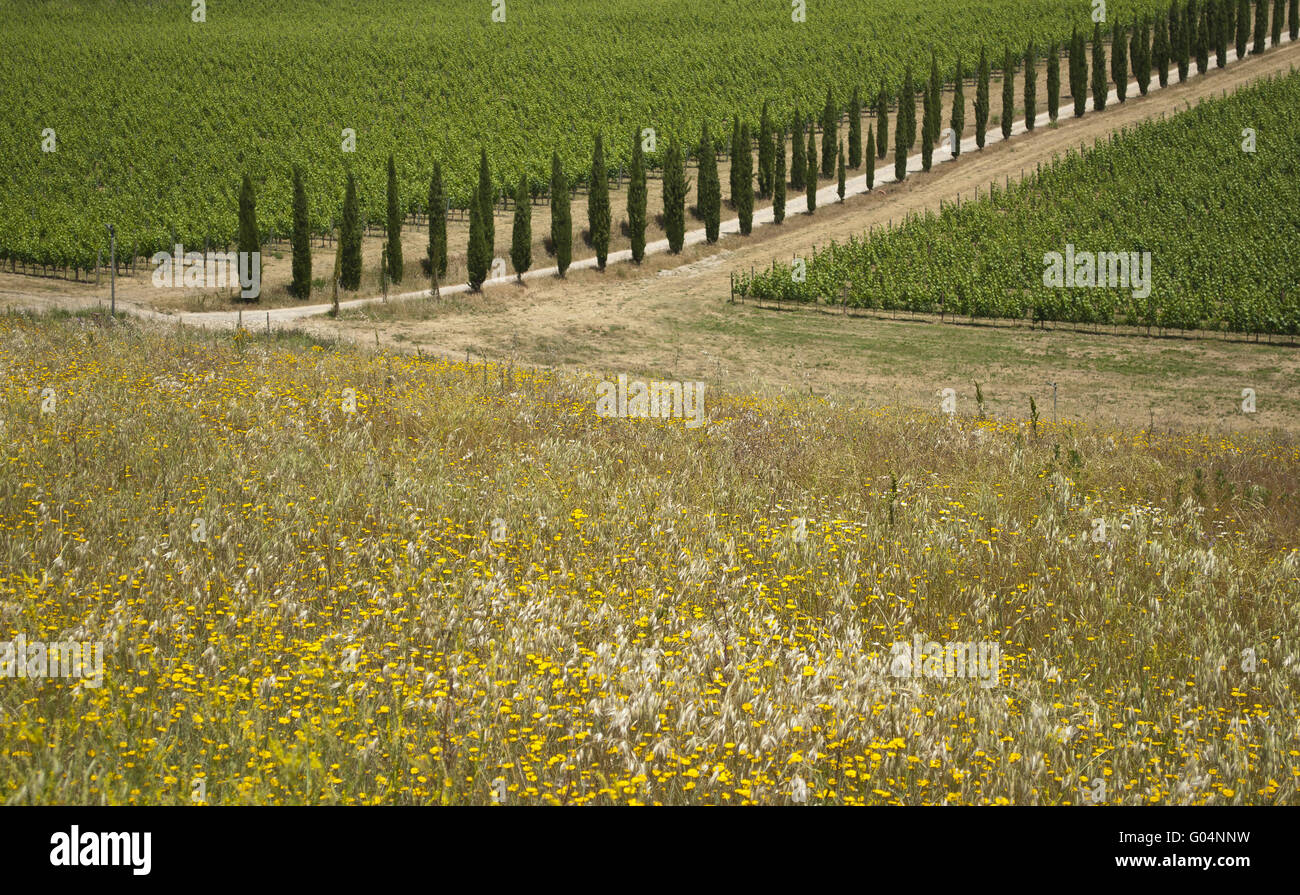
x,y
112,268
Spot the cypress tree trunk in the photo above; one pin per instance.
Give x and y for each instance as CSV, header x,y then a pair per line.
x,y
1119,60
478,256
301,286
1099,86
250,242
830,132
1008,92
350,239
561,216
708,187
394,226
982,100
636,199
487,197
674,197
900,154
882,121
778,179
436,253
798,164
598,204
958,120
810,175
1054,81
765,153
745,182
1243,27
521,238
871,158
1031,86
855,131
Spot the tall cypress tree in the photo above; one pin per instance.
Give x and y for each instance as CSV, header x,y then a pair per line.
x,y
1161,50
436,253
1277,22
871,158
1099,86
1293,19
1261,25
708,187
1202,37
1219,18
487,197
900,153
1229,8
1119,59
478,257
927,128
521,238
674,197
958,122
1008,92
301,286
1243,27
778,179
1031,86
830,132
907,109
798,165
1186,36
855,130
250,243
766,155
745,182
1140,51
561,216
982,99
1078,74
882,121
350,239
394,226
598,213
734,154
636,198
839,172
936,97
1054,80
810,175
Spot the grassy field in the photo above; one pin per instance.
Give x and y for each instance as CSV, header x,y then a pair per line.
x,y
291,553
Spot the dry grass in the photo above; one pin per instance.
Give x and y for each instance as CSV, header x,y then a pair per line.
x,y
648,629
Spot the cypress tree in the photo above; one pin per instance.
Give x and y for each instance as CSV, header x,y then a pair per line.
x,y
1293,19
936,98
561,216
394,226
301,286
745,183
674,197
765,153
830,132
598,204
927,129
1219,17
1031,86
982,99
900,154
798,165
478,257
1261,25
1053,81
734,154
350,239
1243,27
1141,53
250,242
1078,74
840,172
1008,92
636,198
708,187
882,121
1099,85
1229,8
1202,37
436,253
958,121
855,130
521,238
1161,51
871,158
907,109
1119,59
810,175
778,179
1186,36
487,197
1277,22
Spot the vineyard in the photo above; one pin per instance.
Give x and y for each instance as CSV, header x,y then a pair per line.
x,y
1222,232
137,116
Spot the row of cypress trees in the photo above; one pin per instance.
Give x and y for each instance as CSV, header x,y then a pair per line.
x,y
1187,33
